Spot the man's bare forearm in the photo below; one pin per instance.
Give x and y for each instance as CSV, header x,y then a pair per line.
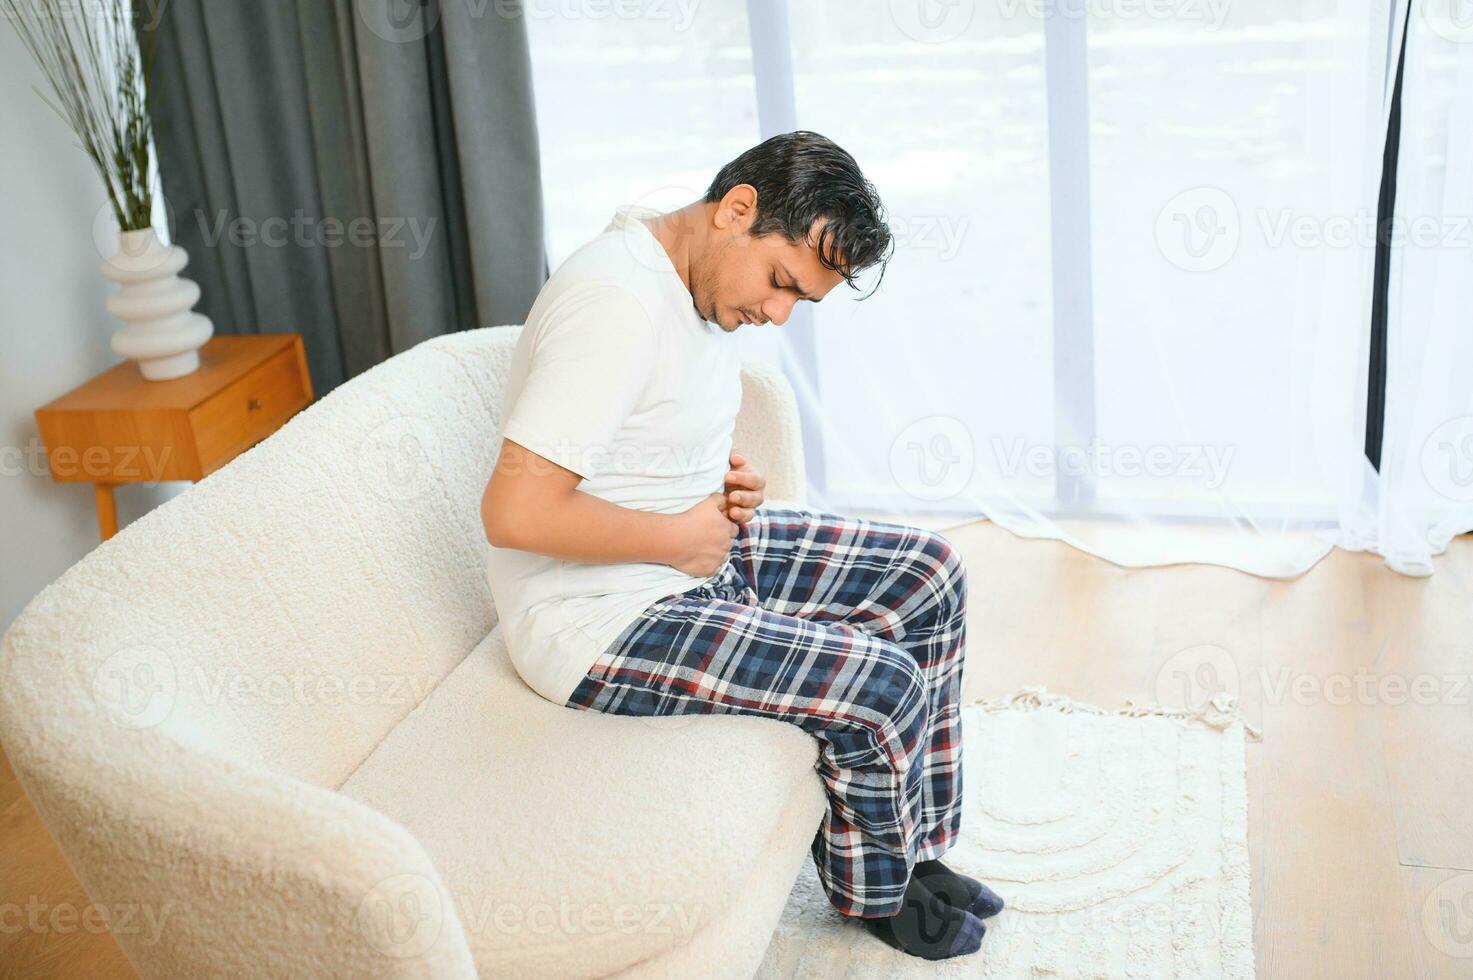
x,y
580,527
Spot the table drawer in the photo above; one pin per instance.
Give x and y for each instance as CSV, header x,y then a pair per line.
x,y
249,409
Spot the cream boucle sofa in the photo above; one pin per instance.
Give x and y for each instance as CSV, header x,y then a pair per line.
x,y
275,716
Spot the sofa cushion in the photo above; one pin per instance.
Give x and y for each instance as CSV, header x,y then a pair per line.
x,y
576,843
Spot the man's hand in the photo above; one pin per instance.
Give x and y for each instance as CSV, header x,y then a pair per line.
x,y
744,490
705,537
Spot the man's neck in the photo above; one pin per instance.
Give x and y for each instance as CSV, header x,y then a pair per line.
x,y
682,234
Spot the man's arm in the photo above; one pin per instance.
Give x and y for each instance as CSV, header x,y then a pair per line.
x,y
530,504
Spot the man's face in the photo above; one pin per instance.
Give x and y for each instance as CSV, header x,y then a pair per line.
x,y
741,279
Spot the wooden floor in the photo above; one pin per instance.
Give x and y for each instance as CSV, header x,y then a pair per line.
x,y
1361,792
43,911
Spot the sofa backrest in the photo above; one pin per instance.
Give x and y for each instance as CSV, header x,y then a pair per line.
x,y
292,607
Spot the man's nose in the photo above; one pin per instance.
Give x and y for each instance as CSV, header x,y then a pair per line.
x,y
779,309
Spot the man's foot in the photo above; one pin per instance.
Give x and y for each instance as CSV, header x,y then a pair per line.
x,y
958,890
928,927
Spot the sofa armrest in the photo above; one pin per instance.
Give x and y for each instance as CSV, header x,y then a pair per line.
x,y
768,431
204,866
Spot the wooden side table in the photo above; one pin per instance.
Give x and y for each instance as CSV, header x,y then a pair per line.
x,y
119,428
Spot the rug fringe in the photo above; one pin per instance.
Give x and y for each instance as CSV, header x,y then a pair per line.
x,y
1219,712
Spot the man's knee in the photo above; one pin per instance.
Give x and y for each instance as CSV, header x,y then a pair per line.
x,y
896,703
943,563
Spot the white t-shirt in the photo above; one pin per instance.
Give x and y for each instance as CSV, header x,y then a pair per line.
x,y
617,378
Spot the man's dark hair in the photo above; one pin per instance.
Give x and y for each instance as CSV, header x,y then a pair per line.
x,y
802,177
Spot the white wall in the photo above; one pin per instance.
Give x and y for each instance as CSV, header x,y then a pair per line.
x,y
53,330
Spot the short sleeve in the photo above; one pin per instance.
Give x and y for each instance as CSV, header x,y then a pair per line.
x,y
593,354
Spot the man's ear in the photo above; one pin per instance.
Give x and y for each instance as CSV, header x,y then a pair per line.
x,y
737,209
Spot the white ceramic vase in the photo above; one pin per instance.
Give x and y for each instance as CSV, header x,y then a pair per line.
x,y
160,332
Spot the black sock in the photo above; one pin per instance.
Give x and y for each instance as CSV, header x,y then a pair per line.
x,y
928,927
958,889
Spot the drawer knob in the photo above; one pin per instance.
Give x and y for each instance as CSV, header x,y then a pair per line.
x,y
253,404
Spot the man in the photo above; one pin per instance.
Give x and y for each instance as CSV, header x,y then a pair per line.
x,y
627,582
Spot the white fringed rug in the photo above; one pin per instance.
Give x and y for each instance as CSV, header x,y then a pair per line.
x,y
1118,839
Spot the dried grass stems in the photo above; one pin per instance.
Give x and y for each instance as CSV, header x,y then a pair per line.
x,y
96,71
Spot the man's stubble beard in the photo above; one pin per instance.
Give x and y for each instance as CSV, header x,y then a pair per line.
x,y
705,285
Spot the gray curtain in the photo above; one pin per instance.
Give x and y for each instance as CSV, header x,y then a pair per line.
x,y
362,172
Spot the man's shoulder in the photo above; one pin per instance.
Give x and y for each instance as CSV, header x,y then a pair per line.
x,y
593,294
623,257
580,304
618,249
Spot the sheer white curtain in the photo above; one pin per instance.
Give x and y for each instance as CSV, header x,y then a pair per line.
x,y
638,102
1424,494
1130,302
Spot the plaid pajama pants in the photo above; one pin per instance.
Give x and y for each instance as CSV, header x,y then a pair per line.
x,y
853,630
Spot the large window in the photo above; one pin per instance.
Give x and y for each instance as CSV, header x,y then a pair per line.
x,y
1128,233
